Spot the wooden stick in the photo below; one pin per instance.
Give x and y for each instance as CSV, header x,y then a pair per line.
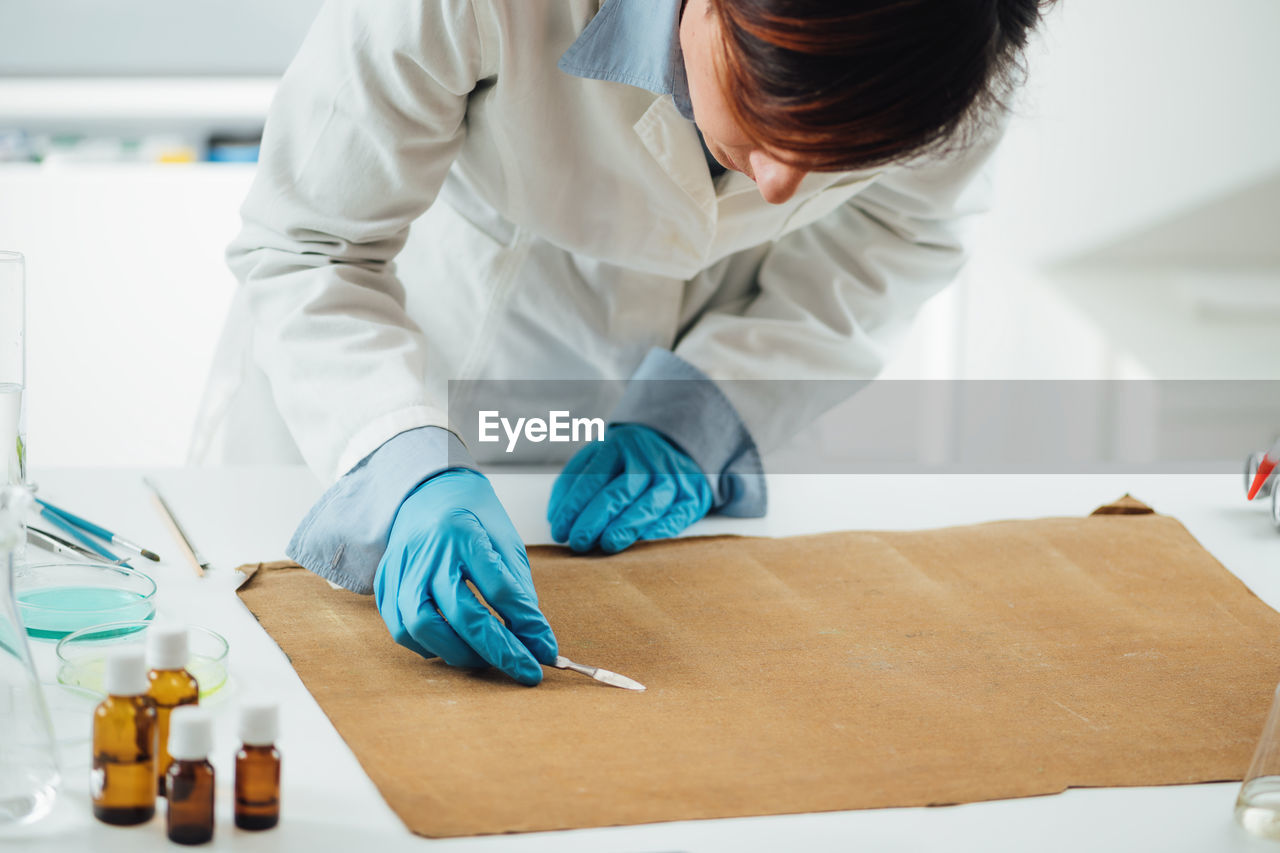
x,y
175,528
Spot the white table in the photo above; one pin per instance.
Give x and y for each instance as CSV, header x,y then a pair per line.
x,y
246,515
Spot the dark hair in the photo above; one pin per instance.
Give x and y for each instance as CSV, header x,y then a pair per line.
x,y
844,84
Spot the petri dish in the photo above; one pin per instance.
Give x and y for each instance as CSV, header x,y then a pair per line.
x,y
82,655
56,599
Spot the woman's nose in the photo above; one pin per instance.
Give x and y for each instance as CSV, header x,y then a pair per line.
x,y
776,180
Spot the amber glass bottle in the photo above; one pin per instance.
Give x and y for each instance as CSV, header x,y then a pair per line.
x,y
171,686
122,781
258,768
189,778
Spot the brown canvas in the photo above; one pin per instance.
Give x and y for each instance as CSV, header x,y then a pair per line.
x,y
812,673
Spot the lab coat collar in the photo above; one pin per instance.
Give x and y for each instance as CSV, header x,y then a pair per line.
x,y
636,42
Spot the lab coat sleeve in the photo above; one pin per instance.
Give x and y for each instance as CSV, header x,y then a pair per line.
x,y
363,129
831,297
343,536
669,395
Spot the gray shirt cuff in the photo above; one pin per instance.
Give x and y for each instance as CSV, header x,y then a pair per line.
x,y
342,538
670,395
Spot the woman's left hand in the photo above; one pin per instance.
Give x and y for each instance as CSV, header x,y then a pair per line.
x,y
635,484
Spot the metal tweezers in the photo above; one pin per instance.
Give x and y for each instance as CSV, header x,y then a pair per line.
x,y
52,542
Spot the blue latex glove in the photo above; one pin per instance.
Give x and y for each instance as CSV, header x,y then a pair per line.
x,y
450,530
633,485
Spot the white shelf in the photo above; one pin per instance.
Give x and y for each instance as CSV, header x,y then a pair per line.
x,y
40,101
29,176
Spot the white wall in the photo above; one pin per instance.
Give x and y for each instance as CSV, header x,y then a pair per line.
x,y
1135,110
126,290
152,36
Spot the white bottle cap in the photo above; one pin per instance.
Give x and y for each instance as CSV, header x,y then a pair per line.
x,y
126,673
190,733
167,646
259,723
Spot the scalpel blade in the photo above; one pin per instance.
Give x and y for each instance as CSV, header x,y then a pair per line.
x,y
604,676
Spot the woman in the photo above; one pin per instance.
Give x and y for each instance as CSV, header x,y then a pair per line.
x,y
525,189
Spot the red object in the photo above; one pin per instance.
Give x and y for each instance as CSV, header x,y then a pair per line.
x,y
1265,467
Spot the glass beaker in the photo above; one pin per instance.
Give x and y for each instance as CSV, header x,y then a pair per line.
x,y
13,369
28,763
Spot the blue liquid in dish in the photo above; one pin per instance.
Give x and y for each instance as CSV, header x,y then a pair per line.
x,y
54,612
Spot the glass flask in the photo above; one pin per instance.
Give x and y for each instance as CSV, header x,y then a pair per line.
x,y
1258,804
13,369
28,763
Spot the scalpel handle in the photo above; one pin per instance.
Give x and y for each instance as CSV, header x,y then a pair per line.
x,y
565,663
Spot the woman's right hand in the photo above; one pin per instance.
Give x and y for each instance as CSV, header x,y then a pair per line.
x,y
451,530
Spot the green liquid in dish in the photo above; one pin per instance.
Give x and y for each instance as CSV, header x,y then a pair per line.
x,y
54,612
89,673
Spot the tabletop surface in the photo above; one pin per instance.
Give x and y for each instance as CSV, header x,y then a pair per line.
x,y
246,515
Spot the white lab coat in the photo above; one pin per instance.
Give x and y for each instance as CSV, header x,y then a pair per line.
x,y
437,200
